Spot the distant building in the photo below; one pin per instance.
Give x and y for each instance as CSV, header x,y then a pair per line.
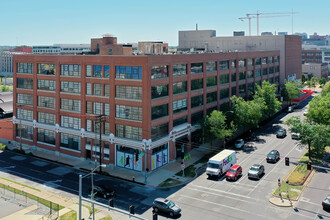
x,y
239,33
311,56
266,33
62,49
23,49
6,104
6,63
152,48
303,36
288,45
107,45
282,33
318,70
324,49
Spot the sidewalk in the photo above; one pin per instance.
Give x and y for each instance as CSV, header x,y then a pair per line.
x,y
154,178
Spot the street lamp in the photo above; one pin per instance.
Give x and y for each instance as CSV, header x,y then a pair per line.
x,y
80,188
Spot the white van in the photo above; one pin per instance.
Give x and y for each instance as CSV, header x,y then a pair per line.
x,y
221,163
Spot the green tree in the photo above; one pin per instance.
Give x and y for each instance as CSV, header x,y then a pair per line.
x,y
326,89
267,93
247,113
206,134
292,88
218,126
313,82
303,78
314,135
322,82
319,110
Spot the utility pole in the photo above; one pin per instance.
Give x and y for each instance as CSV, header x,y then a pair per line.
x,y
101,119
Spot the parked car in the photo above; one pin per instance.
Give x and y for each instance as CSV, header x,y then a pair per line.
x,y
295,136
166,206
281,133
102,190
256,171
239,143
273,156
326,203
234,172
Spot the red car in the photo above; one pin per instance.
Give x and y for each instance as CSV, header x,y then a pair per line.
x,y
234,172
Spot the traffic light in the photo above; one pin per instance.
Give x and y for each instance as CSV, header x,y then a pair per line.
x,y
136,157
309,166
111,203
131,209
287,161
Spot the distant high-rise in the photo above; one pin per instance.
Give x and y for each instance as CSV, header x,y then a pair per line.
x,y
266,33
239,33
282,33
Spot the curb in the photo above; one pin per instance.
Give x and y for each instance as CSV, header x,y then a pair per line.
x,y
280,205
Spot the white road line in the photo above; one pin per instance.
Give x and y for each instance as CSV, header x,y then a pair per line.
x,y
229,207
246,158
312,203
272,169
221,191
217,194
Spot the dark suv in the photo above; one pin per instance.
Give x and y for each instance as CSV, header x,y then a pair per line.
x,y
273,156
281,133
256,171
102,190
166,206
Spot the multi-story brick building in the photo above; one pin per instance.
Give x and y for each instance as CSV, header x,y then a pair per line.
x,y
149,102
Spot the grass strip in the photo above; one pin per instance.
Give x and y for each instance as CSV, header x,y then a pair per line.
x,y
20,184
72,215
188,172
169,182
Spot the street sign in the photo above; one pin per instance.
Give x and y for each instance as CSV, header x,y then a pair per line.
x,y
182,166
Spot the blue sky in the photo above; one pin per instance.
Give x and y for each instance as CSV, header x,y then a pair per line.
x,y
44,22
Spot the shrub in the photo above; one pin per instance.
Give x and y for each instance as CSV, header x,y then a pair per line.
x,y
3,147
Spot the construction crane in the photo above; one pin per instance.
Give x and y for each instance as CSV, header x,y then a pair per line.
x,y
249,18
276,14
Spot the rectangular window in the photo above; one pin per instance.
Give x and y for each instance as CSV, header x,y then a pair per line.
x,y
211,67
159,131
70,87
25,68
25,99
196,101
107,109
129,92
196,84
271,80
24,131
97,71
264,71
106,90
211,81
277,69
233,64
70,141
258,73
242,76
46,102
179,121
70,122
89,108
49,85
25,114
128,72
129,112
46,118
271,70
179,87
97,89
70,105
46,136
70,70
233,77
276,59
224,65
250,74
159,72
211,97
270,59
196,68
241,63
250,62
88,70
97,108
129,132
264,60
88,88
159,91
258,61
196,117
224,79
179,70
106,71
233,90
180,105
47,69
224,93
276,79
159,111
24,83
241,89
